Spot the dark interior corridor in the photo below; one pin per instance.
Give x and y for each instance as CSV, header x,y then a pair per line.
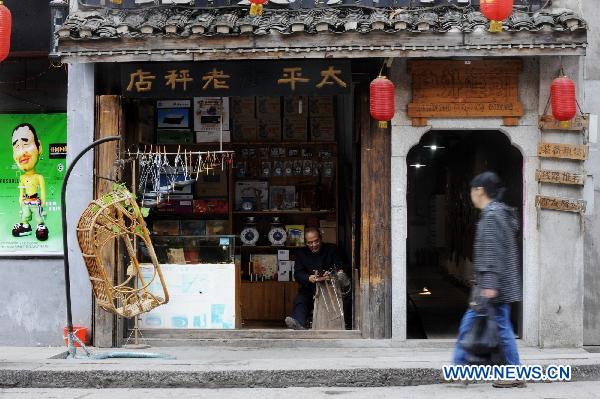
x,y
441,223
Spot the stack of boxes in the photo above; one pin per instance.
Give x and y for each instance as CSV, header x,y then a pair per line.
x,y
243,111
322,119
295,119
211,119
285,266
328,231
268,113
212,199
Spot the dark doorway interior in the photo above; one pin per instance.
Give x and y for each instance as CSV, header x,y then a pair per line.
x,y
441,223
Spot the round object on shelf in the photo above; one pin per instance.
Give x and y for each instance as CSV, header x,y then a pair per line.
x,y
247,204
249,235
277,235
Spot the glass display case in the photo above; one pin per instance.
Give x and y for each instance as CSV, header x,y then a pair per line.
x,y
191,249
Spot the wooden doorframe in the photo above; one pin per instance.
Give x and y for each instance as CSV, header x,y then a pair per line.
x,y
375,300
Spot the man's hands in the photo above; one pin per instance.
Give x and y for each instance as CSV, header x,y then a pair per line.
x,y
318,276
488,293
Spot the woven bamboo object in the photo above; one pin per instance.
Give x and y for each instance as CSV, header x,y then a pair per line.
x,y
328,310
116,216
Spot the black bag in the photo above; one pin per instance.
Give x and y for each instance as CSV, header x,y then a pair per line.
x,y
483,339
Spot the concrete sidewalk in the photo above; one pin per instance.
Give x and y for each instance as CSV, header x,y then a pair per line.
x,y
252,366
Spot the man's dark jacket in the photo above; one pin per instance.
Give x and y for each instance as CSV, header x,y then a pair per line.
x,y
496,253
307,262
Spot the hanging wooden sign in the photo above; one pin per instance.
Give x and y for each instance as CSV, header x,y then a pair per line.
x,y
458,89
563,151
560,204
559,177
577,124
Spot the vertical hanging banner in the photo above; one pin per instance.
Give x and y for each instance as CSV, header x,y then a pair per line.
x,y
32,169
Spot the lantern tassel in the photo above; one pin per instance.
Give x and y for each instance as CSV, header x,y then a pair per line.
x,y
256,9
382,124
495,26
564,124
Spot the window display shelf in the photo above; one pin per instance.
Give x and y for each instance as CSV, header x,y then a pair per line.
x,y
266,247
162,216
284,212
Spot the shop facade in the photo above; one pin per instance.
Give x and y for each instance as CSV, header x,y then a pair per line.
x,y
377,228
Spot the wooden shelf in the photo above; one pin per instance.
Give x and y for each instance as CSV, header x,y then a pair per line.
x,y
162,216
265,247
324,212
281,180
240,143
281,143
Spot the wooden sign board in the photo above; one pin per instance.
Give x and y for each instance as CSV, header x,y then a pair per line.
x,y
559,177
577,124
453,89
563,151
560,204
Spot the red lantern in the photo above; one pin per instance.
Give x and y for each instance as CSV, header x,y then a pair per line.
x,y
382,100
496,11
256,7
564,101
5,29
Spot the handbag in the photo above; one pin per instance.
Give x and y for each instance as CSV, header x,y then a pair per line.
x,y
483,338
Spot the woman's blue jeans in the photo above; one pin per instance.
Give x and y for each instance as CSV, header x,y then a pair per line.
x,y
508,344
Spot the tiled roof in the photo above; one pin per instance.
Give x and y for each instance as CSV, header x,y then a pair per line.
x,y
185,22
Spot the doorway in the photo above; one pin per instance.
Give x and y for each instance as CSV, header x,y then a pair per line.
x,y
441,223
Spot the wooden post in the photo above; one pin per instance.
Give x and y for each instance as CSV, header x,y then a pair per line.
x,y
375,244
108,328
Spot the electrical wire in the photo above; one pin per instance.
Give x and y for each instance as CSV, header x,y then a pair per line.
x,y
30,78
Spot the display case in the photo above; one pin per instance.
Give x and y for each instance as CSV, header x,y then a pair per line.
x,y
189,249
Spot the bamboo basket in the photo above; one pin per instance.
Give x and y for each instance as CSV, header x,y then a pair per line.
x,y
117,216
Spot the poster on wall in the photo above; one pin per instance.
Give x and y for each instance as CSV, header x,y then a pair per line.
x,y
31,177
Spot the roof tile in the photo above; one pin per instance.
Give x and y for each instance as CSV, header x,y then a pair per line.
x,y
183,21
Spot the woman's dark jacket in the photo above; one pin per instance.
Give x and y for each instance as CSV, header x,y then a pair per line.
x,y
496,253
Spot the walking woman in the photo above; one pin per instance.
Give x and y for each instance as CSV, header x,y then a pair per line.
x,y
496,267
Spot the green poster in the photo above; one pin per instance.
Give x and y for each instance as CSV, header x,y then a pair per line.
x,y
32,168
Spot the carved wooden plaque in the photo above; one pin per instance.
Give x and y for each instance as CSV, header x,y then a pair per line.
x,y
564,151
560,204
577,124
451,89
559,177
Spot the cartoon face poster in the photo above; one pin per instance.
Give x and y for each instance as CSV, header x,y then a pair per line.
x,y
31,176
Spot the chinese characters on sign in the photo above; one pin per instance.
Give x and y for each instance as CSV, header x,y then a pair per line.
x,y
216,79
451,89
559,177
577,124
564,151
140,81
560,204
291,76
174,76
174,80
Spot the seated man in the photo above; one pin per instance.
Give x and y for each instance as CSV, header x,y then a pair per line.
x,y
316,257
